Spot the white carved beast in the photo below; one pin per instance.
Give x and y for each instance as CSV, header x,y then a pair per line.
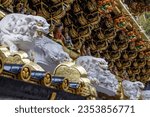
x,y
133,90
24,32
98,73
17,31
48,54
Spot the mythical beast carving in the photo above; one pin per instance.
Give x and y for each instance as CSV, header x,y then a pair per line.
x,y
133,90
19,31
25,33
98,73
48,54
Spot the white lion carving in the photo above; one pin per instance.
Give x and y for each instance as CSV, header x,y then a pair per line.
x,y
133,90
18,31
48,54
98,73
23,32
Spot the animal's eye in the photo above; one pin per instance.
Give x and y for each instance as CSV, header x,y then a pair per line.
x,y
41,21
39,24
101,63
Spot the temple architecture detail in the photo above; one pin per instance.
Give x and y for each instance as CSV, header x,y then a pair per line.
x,y
85,49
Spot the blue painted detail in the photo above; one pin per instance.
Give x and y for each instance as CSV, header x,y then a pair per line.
x,y
73,85
57,80
13,68
38,75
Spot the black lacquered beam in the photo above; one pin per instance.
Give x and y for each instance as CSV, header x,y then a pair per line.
x,y
16,89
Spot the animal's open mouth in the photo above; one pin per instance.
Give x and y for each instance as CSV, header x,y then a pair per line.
x,y
40,33
42,28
